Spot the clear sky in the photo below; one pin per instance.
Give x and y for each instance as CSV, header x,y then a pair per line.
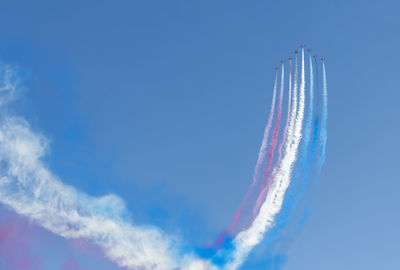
x,y
164,103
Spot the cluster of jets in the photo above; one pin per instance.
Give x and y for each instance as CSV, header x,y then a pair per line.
x,y
296,52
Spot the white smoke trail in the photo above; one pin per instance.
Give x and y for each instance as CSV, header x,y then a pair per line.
x,y
31,190
311,82
247,239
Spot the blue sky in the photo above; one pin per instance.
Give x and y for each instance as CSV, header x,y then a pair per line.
x,y
164,103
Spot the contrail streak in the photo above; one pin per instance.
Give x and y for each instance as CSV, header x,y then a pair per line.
x,y
267,178
28,186
324,133
31,190
299,182
247,239
259,165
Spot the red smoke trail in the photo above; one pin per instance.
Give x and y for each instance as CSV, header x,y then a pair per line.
x,y
261,157
267,179
15,253
245,202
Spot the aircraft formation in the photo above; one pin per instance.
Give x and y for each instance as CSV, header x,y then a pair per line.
x,y
296,52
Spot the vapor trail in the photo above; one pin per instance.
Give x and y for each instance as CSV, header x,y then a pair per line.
x,y
29,188
324,133
307,156
272,205
285,130
259,164
300,180
267,177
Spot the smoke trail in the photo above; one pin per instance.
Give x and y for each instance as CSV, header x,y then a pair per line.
x,y
307,156
323,134
259,164
317,145
31,190
300,181
301,175
265,220
308,125
264,143
267,178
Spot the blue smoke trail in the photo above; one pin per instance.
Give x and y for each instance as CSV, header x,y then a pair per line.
x,y
303,172
299,182
323,132
313,141
318,141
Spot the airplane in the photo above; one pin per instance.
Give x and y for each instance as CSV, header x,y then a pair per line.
x,y
283,61
296,52
302,45
323,58
276,68
290,58
315,56
309,50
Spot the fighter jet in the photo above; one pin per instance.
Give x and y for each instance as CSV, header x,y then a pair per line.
x,y
296,52
309,50
323,58
302,45
315,56
290,58
282,61
276,68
